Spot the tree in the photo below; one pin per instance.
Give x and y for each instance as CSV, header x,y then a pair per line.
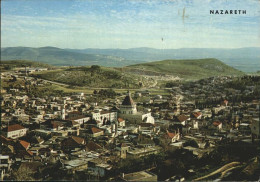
x,y
24,174
7,67
94,69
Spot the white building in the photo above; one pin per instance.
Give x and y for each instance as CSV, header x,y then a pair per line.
x,y
129,112
104,116
14,131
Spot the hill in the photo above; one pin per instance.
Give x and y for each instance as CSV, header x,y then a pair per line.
x,y
245,59
188,69
94,77
60,57
9,65
22,63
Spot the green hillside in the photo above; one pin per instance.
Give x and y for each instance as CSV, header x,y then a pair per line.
x,y
94,76
9,65
189,69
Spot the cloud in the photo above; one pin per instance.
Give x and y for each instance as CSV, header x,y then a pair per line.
x,y
134,24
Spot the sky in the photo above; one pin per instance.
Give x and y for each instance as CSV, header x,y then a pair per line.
x,y
123,24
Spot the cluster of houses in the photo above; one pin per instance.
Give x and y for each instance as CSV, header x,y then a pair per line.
x,y
90,137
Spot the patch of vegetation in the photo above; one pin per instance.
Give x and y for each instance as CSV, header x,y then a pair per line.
x,y
31,89
172,84
107,93
93,76
189,69
244,83
8,65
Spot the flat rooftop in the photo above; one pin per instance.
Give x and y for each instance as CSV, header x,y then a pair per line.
x,y
138,176
136,151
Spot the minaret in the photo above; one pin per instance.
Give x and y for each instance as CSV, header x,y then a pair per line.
x,y
63,111
178,104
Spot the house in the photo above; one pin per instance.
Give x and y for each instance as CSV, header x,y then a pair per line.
x,y
91,131
181,119
172,137
22,150
72,142
23,145
96,132
5,164
52,125
196,115
121,122
217,125
77,117
144,151
92,146
75,164
225,102
99,167
123,150
145,140
14,131
7,150
104,116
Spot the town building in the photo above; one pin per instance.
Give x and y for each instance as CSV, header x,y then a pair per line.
x,y
14,131
129,112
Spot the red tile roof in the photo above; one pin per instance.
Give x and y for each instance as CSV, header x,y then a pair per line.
x,y
171,135
120,120
24,144
182,118
29,152
5,140
78,139
96,130
93,146
196,114
216,123
14,127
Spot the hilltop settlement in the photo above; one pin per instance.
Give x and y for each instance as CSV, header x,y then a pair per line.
x,y
206,129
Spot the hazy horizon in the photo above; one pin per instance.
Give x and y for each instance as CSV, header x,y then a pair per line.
x,y
133,48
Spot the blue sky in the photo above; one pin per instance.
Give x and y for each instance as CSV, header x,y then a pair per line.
x,y
129,23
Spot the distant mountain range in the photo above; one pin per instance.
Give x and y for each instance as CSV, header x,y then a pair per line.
x,y
60,57
244,59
